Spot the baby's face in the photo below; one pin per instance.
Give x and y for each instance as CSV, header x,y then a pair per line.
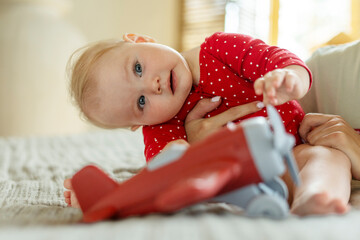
x,y
140,84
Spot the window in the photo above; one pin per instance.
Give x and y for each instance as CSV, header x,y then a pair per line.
x,y
307,24
300,26
200,19
249,17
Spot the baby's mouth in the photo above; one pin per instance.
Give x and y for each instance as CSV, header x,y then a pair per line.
x,y
171,82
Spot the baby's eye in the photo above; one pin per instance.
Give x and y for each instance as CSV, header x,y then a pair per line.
x,y
141,102
138,69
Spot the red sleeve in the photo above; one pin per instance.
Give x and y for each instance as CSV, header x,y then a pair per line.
x,y
157,136
248,57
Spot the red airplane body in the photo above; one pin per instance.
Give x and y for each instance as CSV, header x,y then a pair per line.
x,y
219,164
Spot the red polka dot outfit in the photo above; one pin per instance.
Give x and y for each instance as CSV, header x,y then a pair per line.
x,y
229,65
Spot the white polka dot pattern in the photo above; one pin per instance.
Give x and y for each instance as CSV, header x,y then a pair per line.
x,y
229,64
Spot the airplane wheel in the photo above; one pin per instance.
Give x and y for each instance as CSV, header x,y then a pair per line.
x,y
278,186
268,206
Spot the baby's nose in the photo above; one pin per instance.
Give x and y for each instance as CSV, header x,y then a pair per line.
x,y
156,87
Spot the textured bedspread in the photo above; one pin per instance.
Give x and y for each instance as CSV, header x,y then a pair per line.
x,y
32,206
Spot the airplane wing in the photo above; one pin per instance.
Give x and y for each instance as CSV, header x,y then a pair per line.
x,y
191,186
197,185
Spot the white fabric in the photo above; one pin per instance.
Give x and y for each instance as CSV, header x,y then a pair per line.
x,y
336,85
32,206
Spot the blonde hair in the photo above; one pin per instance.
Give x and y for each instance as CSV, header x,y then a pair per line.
x,y
79,68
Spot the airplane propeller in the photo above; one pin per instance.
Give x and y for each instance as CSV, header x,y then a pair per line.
x,y
283,142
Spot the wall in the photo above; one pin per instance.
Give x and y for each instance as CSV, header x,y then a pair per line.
x,y
38,36
98,19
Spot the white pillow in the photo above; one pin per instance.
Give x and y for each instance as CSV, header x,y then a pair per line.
x,y
336,82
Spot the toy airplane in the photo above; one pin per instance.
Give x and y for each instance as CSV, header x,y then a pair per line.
x,y
239,164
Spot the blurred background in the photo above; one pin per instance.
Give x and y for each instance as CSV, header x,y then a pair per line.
x,y
37,38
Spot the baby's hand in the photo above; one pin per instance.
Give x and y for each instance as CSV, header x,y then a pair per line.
x,y
279,86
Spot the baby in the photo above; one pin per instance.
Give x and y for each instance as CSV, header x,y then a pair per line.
x,y
137,82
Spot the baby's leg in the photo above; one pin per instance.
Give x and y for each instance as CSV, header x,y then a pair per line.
x,y
325,181
69,195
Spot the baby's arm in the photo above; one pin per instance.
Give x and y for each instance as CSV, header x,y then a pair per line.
x,y
283,84
253,60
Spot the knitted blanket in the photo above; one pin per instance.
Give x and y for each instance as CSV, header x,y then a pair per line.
x,y
32,171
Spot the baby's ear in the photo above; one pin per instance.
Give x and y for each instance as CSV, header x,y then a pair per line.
x,y
134,38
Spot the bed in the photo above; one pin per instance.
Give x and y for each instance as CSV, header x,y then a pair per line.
x,y
32,170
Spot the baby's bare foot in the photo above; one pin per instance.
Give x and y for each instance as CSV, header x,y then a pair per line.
x,y
317,204
69,195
